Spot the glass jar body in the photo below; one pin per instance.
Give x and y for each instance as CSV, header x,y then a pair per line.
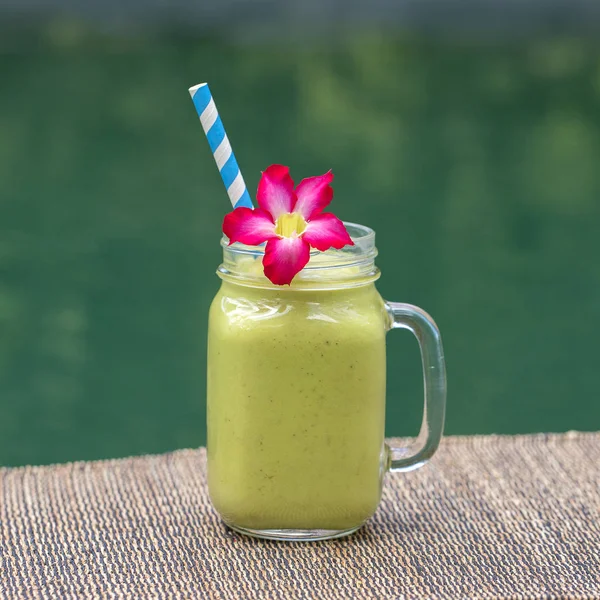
x,y
296,408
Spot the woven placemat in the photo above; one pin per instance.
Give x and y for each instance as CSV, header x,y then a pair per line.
x,y
489,517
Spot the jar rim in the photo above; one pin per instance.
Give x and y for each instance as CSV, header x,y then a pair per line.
x,y
362,236
348,267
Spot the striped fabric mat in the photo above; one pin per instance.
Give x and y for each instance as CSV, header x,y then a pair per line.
x,y
489,517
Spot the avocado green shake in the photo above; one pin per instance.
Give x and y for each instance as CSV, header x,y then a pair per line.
x,y
296,393
296,360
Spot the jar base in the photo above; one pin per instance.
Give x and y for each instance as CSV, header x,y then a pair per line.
x,y
295,535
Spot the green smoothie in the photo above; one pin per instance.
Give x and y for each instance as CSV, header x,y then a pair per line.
x,y
296,406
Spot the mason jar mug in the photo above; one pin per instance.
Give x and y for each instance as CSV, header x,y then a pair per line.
x,y
297,392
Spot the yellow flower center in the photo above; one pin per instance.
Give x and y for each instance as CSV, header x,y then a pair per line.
x,y
289,224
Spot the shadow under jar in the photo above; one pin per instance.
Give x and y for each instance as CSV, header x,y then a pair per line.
x,y
296,393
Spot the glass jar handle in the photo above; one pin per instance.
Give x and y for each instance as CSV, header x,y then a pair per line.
x,y
423,327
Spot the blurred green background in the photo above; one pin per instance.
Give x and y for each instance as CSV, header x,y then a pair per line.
x,y
476,159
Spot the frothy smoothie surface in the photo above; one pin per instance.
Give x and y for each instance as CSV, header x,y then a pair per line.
x,y
296,403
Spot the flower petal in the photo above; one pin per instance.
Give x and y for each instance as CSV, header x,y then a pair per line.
x,y
326,231
284,258
314,194
276,191
248,226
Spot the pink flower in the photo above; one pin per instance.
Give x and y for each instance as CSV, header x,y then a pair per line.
x,y
290,220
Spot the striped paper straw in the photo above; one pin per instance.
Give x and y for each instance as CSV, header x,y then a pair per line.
x,y
220,146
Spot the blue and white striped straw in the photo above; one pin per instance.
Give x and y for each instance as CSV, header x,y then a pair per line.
x,y
220,146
